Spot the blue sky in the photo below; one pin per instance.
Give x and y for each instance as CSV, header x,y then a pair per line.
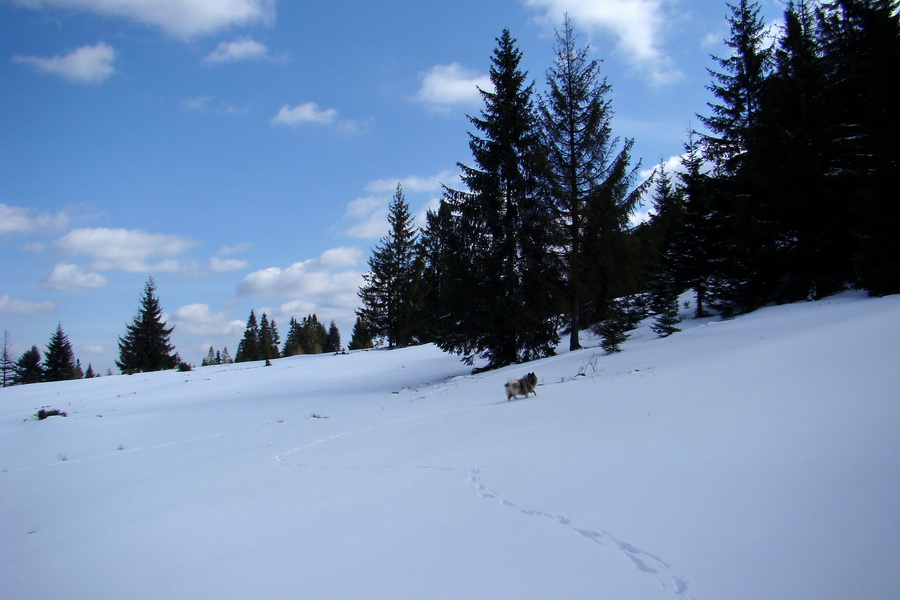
x,y
244,152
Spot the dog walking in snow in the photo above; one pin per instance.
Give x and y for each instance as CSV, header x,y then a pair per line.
x,y
526,385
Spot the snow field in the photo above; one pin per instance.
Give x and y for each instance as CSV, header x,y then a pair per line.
x,y
743,459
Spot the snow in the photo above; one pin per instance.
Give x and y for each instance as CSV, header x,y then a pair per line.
x,y
757,457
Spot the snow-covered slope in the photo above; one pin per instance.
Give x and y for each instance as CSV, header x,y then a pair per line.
x,y
744,459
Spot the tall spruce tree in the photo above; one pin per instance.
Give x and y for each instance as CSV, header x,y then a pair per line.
x,y
589,179
268,339
806,238
145,346
389,294
7,363
59,359
249,346
503,305
738,88
861,48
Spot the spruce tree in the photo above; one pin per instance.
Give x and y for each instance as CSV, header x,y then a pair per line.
x,y
28,368
249,347
861,51
333,340
696,248
89,374
738,87
805,231
589,178
7,363
504,307
226,357
210,358
360,337
389,292
293,344
145,346
268,339
663,282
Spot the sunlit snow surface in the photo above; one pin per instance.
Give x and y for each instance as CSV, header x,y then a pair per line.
x,y
752,458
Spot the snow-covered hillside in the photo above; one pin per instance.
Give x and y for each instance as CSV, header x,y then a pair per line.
x,y
745,459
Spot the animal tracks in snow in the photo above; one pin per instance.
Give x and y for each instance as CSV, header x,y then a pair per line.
x,y
643,561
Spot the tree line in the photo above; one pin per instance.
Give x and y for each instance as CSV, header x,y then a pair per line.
x,y
784,196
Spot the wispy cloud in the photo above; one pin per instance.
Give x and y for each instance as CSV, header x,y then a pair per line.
x,y
20,219
72,278
211,104
305,113
179,18
87,64
309,113
241,49
443,87
637,25
414,183
19,306
127,250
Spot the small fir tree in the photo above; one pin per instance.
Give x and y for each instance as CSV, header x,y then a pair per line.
x,y
145,346
59,360
333,339
28,368
361,337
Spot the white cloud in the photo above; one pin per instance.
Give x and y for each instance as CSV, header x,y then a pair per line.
x,y
19,219
71,278
236,249
445,86
305,113
127,250
197,319
87,64
243,48
220,265
180,18
637,25
18,306
319,279
211,104
413,183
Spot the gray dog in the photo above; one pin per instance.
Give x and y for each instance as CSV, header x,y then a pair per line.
x,y
526,385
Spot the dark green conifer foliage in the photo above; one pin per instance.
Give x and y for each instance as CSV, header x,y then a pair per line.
x,y
268,339
360,338
333,339
146,346
589,179
861,46
739,90
249,346
503,306
7,363
696,247
389,295
613,330
663,282
59,358
28,368
738,87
